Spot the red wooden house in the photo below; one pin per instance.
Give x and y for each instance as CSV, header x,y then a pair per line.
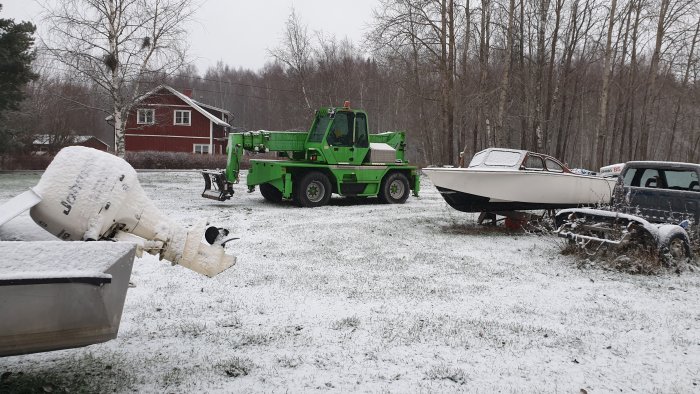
x,y
170,121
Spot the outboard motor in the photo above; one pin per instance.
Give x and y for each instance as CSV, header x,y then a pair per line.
x,y
86,194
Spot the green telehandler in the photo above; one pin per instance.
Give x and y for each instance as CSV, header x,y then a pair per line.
x,y
337,155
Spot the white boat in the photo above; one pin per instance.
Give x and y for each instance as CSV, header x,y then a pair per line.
x,y
500,180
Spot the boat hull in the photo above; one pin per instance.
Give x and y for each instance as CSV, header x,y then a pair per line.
x,y
51,312
470,190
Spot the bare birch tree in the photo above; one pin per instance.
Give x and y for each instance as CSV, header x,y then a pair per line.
x,y
295,52
117,45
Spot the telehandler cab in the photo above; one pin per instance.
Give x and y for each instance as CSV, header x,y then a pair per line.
x,y
337,155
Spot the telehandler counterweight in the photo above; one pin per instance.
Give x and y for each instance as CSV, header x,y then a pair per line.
x,y
337,155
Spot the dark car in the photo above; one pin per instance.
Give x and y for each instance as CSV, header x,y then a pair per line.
x,y
653,200
660,192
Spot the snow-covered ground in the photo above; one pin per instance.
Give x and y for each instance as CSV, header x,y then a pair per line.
x,y
359,296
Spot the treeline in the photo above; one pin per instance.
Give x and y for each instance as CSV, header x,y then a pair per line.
x,y
591,82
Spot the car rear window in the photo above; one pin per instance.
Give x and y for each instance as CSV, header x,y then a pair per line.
x,y
662,179
682,180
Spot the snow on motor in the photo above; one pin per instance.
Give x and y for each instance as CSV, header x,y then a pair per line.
x,y
337,155
86,194
655,204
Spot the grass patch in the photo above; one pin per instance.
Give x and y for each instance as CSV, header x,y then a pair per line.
x,y
235,367
631,259
248,339
175,377
460,228
289,362
347,322
445,372
191,329
230,322
87,373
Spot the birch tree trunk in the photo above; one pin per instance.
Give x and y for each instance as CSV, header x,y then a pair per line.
x,y
686,78
484,44
539,78
601,127
552,89
642,151
501,134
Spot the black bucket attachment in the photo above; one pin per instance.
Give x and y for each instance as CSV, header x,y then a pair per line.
x,y
216,187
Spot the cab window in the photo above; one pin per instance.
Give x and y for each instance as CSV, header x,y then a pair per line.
x,y
361,138
340,133
318,129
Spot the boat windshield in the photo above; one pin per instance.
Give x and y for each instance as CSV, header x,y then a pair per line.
x,y
478,158
553,166
501,158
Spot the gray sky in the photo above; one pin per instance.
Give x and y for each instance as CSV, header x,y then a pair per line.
x,y
239,32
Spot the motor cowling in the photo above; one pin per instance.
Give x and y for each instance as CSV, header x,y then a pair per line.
x,y
88,194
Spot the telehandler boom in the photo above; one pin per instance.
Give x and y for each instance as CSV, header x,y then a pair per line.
x,y
337,155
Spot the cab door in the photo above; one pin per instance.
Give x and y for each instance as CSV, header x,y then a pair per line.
x,y
361,138
339,140
348,138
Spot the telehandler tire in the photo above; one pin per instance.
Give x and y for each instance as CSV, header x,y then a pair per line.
x,y
270,193
394,189
313,190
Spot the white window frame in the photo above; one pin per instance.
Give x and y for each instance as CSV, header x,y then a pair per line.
x,y
144,111
189,117
204,149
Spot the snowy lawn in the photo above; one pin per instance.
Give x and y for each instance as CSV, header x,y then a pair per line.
x,y
359,296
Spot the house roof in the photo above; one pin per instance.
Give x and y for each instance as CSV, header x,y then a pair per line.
x,y
45,139
191,102
201,104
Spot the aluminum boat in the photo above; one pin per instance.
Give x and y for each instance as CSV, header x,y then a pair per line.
x,y
59,295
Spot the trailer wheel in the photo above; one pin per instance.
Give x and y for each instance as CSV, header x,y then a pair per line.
x,y
394,188
313,190
270,193
676,250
